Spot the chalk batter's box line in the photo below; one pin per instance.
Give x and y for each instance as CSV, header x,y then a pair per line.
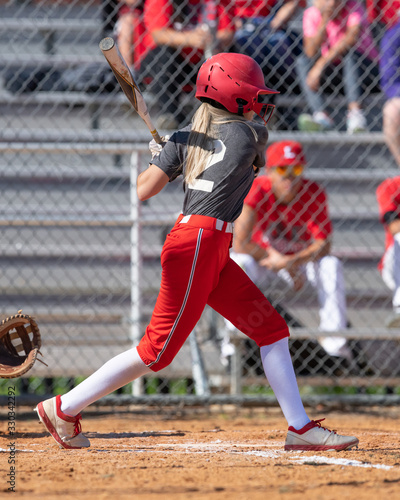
x,y
198,448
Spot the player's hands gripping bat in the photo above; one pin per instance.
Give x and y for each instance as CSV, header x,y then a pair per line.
x,y
128,84
156,148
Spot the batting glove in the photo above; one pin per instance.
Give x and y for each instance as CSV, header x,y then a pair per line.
x,y
155,148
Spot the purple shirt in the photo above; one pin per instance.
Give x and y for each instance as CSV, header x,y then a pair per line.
x,y
389,63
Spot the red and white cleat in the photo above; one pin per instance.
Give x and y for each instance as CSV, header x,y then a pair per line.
x,y
66,430
314,437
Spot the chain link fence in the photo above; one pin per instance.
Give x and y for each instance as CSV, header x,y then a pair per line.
x,y
80,254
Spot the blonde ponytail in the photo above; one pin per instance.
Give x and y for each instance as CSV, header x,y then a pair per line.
x,y
205,125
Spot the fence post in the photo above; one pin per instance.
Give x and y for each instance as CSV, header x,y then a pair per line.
x,y
136,264
198,369
236,367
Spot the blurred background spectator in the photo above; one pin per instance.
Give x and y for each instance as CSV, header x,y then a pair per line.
x,y
383,11
130,31
263,33
390,82
282,239
388,195
176,39
339,50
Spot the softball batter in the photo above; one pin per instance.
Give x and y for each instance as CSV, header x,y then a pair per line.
x,y
218,156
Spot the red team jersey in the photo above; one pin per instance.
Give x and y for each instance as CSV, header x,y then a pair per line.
x,y
259,8
159,14
388,196
386,11
289,228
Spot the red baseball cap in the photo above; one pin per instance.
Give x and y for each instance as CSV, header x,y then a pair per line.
x,y
285,153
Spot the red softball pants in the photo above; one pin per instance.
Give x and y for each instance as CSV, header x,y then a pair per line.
x,y
197,270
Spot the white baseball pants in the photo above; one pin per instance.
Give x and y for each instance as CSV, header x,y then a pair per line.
x,y
326,276
391,270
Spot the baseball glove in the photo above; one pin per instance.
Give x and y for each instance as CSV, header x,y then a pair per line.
x,y
20,342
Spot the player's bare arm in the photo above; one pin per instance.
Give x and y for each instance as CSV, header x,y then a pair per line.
x,y
318,249
276,260
150,182
225,38
126,23
197,38
284,14
312,44
341,48
344,45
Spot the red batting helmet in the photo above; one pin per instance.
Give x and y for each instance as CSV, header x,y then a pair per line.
x,y
236,82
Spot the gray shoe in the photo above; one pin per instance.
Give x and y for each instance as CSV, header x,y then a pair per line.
x,y
66,430
393,321
314,437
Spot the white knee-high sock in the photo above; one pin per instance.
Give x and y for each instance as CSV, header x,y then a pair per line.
x,y
278,368
114,374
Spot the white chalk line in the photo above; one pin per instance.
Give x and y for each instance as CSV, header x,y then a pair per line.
x,y
318,459
273,453
234,448
342,461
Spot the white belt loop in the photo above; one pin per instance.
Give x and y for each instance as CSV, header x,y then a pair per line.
x,y
185,219
219,224
229,227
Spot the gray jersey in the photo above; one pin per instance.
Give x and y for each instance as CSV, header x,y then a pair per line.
x,y
220,189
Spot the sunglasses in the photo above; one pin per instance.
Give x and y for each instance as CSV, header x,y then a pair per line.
x,y
290,171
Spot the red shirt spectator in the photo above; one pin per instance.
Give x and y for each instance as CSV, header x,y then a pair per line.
x,y
260,8
250,8
385,11
161,14
289,228
388,196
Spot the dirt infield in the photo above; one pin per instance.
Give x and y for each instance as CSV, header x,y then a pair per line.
x,y
226,455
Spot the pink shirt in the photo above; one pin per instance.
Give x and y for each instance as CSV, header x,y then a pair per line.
x,y
351,15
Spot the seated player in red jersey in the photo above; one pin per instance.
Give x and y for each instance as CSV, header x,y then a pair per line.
x,y
388,195
283,239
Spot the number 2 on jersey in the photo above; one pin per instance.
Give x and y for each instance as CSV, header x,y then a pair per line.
x,y
216,156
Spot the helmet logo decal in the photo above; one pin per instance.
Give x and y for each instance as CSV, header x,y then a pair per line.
x,y
288,153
